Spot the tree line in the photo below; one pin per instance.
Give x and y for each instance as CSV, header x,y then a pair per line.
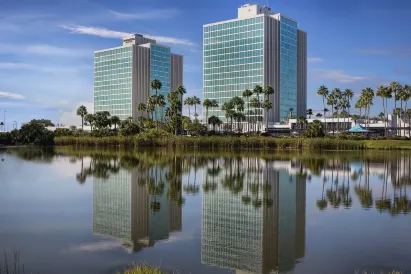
x,y
340,103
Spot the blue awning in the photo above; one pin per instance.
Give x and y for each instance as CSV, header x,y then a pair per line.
x,y
358,129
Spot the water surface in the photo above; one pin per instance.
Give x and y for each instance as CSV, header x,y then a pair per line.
x,y
97,211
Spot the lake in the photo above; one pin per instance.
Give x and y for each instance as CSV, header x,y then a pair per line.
x,y
98,211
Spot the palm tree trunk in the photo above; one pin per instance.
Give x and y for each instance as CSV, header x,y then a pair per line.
x,y
386,114
396,114
401,119
360,115
332,108
82,122
325,119
206,121
338,121
248,114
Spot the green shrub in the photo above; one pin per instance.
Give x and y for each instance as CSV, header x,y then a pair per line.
x,y
63,132
6,138
129,129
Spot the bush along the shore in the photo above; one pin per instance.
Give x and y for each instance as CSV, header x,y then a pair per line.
x,y
159,138
34,132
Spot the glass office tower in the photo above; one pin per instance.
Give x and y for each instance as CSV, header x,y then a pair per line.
x,y
113,80
122,75
257,48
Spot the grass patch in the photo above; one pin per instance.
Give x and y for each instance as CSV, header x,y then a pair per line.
x,y
141,269
387,144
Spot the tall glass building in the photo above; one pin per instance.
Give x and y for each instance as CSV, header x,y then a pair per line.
x,y
122,75
258,48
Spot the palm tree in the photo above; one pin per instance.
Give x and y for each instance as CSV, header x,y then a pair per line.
x,y
82,111
301,121
257,91
323,92
359,104
142,107
384,93
2,124
228,108
291,112
268,90
368,95
254,103
196,101
348,94
395,87
151,106
188,102
161,102
267,105
247,94
181,90
318,115
207,103
115,121
309,113
89,118
332,101
156,85
337,94
214,120
404,96
409,119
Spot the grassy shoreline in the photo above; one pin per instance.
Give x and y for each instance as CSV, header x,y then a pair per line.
x,y
257,142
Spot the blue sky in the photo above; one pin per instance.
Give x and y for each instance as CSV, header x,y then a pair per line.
x,y
46,50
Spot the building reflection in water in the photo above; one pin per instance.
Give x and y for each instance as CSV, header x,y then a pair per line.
x,y
128,208
254,220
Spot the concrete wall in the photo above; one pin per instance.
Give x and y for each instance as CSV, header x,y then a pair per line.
x,y
272,65
176,77
141,78
302,73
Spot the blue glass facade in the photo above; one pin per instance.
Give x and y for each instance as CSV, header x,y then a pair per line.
x,y
233,62
288,70
112,81
160,70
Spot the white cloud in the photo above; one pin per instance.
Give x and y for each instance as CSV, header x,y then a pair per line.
x,y
43,49
149,14
315,59
69,118
102,32
339,76
9,95
39,68
106,33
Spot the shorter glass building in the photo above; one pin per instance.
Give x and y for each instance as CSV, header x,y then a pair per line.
x,y
122,76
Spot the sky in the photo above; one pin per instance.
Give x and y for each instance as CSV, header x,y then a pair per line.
x,y
46,46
